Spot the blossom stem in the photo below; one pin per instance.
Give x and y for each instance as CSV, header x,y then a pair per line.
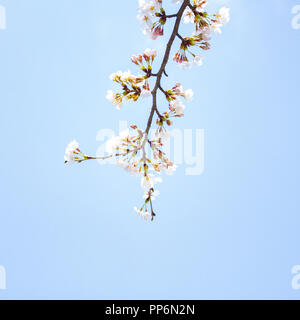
x,y
158,113
152,212
112,155
171,15
162,90
180,37
99,158
192,8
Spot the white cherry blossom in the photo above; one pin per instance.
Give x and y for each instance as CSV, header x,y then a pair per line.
x,y
71,152
178,106
149,181
151,53
188,16
143,213
113,98
224,15
112,144
189,94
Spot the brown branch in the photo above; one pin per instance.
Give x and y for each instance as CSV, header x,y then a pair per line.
x,y
180,37
193,9
161,71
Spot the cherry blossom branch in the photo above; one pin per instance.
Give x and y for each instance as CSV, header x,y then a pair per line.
x,y
129,148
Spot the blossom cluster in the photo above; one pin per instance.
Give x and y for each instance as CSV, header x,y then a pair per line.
x,y
125,148
147,12
129,149
133,87
205,26
73,153
176,108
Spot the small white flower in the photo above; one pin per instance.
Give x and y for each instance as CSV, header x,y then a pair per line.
x,y
151,53
178,106
113,76
200,5
149,181
188,16
127,76
146,216
224,15
198,61
138,211
146,13
204,32
112,144
185,65
71,152
188,94
178,89
216,28
170,169
112,97
131,169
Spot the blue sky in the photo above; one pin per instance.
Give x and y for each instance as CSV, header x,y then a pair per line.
x,y
71,232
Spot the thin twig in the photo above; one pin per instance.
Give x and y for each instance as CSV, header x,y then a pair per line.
x,y
180,37
162,90
171,15
158,114
192,8
113,155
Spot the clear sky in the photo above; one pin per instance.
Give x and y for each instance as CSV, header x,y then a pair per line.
x,y
71,232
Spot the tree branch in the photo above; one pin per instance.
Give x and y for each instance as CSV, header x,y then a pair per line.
x,y
161,71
